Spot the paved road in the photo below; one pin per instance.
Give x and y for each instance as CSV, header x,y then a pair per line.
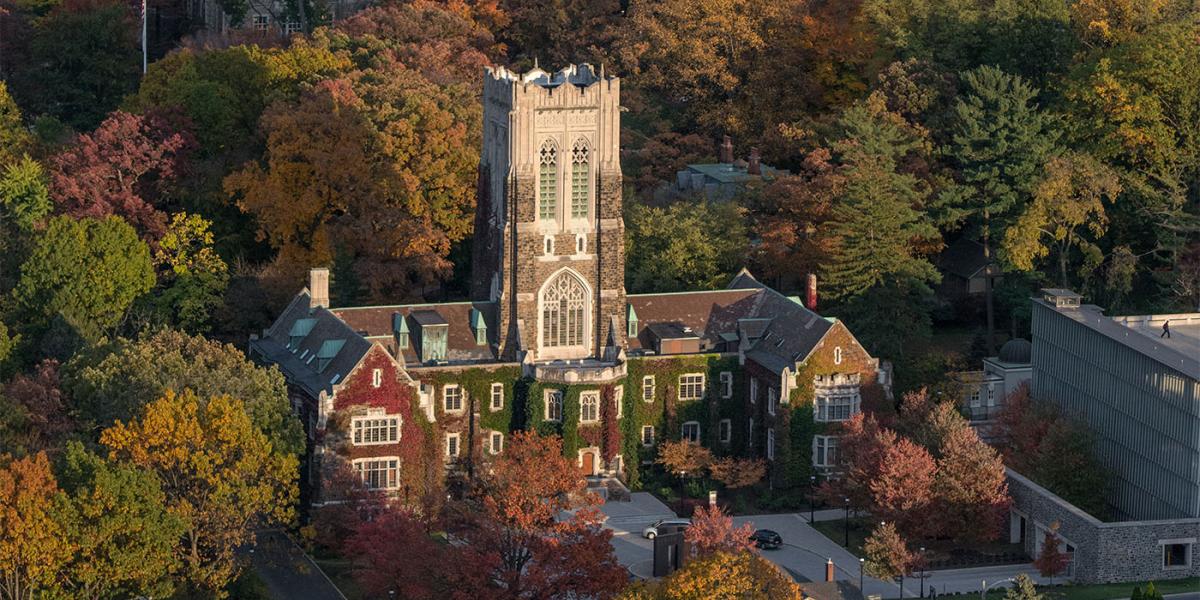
x,y
805,552
288,572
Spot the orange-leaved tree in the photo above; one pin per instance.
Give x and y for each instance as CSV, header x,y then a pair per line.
x,y
33,540
721,575
712,531
738,472
886,554
971,488
1052,560
683,456
220,473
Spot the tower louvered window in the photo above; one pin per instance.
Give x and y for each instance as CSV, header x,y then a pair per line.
x,y
564,307
548,183
580,176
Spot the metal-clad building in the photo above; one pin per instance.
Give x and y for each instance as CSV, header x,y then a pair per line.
x,y
1138,392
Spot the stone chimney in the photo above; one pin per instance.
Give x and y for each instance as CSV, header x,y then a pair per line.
x,y
811,297
318,288
829,569
726,154
754,167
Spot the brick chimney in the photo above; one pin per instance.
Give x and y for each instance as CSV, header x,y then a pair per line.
x,y
726,154
318,288
754,167
811,297
829,569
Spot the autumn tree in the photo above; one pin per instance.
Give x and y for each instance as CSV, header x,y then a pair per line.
x,y
192,275
735,473
860,452
115,381
1051,560
721,575
1067,213
970,486
658,259
35,415
380,161
221,476
14,137
560,32
903,491
122,168
683,456
655,161
1022,589
124,536
792,215
887,556
712,531
33,542
24,194
514,518
1000,140
85,273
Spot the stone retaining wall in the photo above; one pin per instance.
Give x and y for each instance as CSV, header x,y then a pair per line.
x,y
1104,552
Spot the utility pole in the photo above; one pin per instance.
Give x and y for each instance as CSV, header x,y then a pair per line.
x,y
144,42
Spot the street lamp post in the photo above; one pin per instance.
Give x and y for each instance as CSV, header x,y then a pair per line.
x,y
682,487
923,573
847,529
812,498
862,563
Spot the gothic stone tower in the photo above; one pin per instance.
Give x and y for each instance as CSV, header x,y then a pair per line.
x,y
549,239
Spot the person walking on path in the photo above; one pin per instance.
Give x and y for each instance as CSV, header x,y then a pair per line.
x,y
1166,330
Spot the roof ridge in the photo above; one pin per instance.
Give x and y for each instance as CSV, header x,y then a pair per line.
x,y
378,306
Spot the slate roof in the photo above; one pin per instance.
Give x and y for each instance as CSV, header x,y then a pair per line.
x,y
377,322
963,258
300,334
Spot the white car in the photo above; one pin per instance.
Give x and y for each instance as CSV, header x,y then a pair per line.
x,y
665,525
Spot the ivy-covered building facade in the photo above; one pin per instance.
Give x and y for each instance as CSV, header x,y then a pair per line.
x,y
408,397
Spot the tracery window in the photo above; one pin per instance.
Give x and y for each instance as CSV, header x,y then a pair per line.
x,y
589,407
580,177
548,182
564,308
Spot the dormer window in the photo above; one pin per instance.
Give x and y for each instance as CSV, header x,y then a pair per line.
x,y
433,331
479,326
328,351
400,329
300,329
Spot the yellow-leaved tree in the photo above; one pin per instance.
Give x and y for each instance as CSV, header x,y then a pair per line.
x,y
721,575
33,544
221,475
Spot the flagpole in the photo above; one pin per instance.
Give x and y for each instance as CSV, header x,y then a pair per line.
x,y
143,37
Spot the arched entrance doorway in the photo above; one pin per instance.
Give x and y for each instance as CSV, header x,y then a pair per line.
x,y
588,462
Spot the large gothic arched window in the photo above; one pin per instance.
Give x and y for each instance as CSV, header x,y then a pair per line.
x,y
548,181
580,180
564,308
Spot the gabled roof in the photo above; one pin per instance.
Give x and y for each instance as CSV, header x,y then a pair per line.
x,y
461,318
302,340
963,258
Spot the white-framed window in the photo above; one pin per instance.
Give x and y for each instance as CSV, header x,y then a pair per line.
x,y
554,405
753,390
837,355
691,431
453,445
262,22
772,400
647,435
836,404
648,388
1177,554
770,443
371,430
497,397
376,377
619,401
589,407
291,27
496,442
825,450
974,402
452,398
379,472
691,386
726,384
725,430
548,245
991,394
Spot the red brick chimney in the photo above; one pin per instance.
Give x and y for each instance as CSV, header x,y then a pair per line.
x,y
811,299
829,569
726,154
754,167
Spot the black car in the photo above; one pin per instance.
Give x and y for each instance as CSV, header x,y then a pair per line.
x,y
766,539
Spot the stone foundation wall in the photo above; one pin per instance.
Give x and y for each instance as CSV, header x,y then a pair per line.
x,y
1125,551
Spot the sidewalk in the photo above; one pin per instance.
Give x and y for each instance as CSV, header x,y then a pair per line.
x,y
288,572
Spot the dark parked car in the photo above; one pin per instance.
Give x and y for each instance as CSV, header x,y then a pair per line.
x,y
766,539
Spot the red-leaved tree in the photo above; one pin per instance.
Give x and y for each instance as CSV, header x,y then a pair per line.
x,y
902,492
860,454
970,488
122,168
36,414
1051,561
712,531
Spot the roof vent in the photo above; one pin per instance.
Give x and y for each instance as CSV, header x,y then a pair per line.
x,y
1060,298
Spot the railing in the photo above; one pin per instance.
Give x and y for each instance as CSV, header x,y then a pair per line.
x,y
979,560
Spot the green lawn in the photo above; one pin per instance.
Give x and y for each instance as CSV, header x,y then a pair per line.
x,y
941,553
338,570
1107,591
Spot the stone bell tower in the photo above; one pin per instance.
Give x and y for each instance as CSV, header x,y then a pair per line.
x,y
549,239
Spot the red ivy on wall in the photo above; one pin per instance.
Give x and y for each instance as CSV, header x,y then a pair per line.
x,y
611,437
